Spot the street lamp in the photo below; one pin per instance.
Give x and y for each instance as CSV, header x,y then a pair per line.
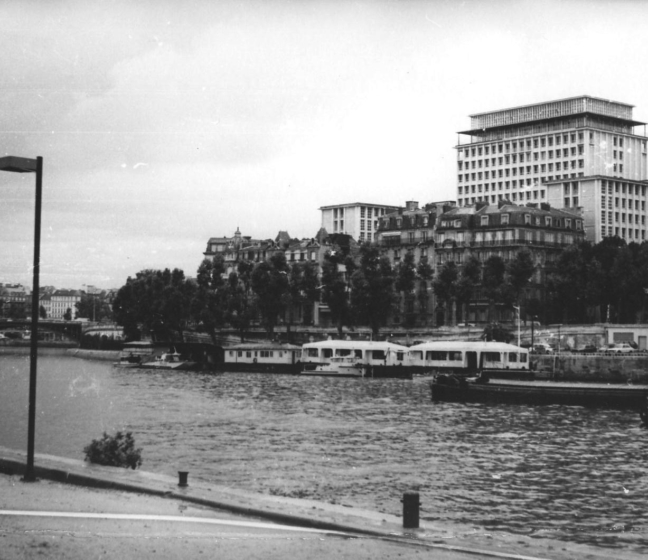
x,y
518,314
27,165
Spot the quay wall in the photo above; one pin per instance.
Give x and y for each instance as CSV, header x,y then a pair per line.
x,y
592,367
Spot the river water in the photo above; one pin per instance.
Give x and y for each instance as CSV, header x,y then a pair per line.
x,y
562,472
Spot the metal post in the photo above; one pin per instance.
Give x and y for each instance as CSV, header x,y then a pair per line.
x,y
29,472
411,506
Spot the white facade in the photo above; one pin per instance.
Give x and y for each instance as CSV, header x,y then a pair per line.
x,y
577,152
357,219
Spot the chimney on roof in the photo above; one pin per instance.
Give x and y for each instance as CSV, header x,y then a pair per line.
x,y
411,205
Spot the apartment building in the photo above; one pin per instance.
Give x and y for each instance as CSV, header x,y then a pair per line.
x,y
61,301
581,151
503,230
357,219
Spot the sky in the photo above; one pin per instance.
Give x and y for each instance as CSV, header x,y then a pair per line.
x,y
163,123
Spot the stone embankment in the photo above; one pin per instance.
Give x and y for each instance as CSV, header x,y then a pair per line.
x,y
619,368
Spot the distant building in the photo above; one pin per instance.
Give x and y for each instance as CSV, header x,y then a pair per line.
x,y
503,230
14,300
357,219
61,301
575,152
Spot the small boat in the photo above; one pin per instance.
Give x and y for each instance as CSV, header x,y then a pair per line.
x,y
338,367
168,360
128,361
482,389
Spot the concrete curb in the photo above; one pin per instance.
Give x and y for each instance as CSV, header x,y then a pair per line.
x,y
70,471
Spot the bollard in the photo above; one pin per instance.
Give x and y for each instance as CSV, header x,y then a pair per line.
x,y
411,505
183,478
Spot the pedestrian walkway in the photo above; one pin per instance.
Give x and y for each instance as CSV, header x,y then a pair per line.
x,y
111,506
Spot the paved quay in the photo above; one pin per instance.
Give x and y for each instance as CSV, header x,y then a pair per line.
x,y
79,510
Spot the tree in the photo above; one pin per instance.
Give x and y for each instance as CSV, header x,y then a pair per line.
x,y
519,272
372,286
241,302
493,283
67,316
309,289
445,288
425,274
270,284
404,283
210,299
158,301
335,290
42,313
467,283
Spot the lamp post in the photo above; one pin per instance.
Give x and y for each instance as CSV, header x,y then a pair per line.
x,y
27,165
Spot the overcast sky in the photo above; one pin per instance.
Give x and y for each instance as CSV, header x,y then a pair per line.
x,y
164,123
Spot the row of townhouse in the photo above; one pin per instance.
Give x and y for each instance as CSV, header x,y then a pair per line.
x,y
16,301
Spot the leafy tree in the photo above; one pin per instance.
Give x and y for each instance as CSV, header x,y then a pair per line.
x,y
372,287
157,300
67,316
468,282
519,272
309,289
425,274
210,299
93,306
335,290
493,283
445,287
270,283
241,302
404,283
42,313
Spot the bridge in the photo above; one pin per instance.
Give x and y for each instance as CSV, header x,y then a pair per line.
x,y
60,329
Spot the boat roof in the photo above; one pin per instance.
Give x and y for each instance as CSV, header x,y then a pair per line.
x,y
262,346
468,345
356,344
139,344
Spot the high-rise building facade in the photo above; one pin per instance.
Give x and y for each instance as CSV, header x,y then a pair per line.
x,y
577,152
357,219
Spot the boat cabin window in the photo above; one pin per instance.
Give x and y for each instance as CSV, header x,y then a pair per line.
x,y
378,355
455,356
358,354
513,357
523,358
248,354
231,353
400,356
343,352
267,353
493,357
240,353
312,352
437,355
327,352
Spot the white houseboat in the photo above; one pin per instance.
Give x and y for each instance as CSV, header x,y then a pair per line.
x,y
262,358
377,358
495,358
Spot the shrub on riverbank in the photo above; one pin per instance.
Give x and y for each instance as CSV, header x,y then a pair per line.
x,y
114,451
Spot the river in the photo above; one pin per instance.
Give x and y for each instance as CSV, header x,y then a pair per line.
x,y
562,472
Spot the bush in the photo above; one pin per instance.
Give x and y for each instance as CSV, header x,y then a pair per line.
x,y
114,451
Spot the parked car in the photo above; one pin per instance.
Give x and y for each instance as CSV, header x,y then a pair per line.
x,y
619,348
589,349
542,348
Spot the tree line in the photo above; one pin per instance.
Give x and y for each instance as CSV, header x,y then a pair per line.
x,y
588,283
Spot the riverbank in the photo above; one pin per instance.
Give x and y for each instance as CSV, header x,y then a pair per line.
x,y
444,540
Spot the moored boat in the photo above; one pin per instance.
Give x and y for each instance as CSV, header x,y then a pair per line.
x,y
482,389
168,360
338,367
378,358
465,357
262,357
134,354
